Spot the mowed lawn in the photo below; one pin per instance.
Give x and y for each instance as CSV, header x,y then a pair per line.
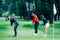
x,y
57,30
25,31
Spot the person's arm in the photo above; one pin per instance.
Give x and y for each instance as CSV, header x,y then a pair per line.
x,y
34,19
11,22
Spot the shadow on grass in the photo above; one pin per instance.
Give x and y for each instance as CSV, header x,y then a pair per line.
x,y
28,26
32,26
3,27
41,28
57,26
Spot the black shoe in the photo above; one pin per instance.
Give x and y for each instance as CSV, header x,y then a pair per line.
x,y
14,36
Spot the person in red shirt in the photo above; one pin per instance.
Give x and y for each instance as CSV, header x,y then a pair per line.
x,y
35,22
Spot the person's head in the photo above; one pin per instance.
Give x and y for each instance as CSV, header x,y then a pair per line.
x,y
33,14
8,17
42,16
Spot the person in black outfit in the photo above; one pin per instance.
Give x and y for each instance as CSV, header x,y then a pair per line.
x,y
12,20
46,24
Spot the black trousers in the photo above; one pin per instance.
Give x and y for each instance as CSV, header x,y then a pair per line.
x,y
15,30
36,27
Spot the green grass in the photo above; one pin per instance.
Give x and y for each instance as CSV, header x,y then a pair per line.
x,y
25,31
57,30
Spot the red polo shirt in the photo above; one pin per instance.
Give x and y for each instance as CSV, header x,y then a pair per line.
x,y
35,19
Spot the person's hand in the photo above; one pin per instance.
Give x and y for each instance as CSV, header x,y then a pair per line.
x,y
33,23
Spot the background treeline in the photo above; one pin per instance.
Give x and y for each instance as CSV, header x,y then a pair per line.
x,y
24,8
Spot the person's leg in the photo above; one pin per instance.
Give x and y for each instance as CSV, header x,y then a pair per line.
x,y
35,33
45,30
36,27
15,30
46,27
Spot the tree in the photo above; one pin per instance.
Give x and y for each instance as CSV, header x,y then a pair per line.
x,y
45,7
13,7
22,10
0,7
57,2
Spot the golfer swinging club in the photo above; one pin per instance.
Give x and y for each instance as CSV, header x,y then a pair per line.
x,y
36,23
46,25
12,20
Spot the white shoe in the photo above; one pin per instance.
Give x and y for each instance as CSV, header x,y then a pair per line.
x,y
45,35
35,34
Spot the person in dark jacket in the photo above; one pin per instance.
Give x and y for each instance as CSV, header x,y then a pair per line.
x,y
13,21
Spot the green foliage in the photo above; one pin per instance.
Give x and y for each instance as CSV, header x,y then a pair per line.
x,y
29,1
19,8
2,27
28,26
0,7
